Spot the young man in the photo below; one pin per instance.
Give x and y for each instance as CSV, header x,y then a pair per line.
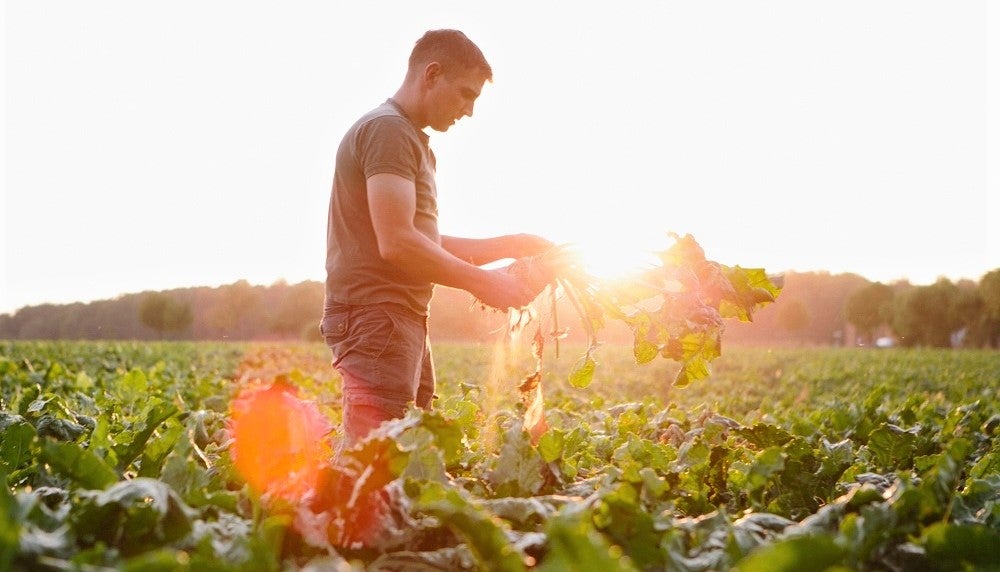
x,y
384,252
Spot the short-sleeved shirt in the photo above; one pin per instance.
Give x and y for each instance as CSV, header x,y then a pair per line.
x,y
382,141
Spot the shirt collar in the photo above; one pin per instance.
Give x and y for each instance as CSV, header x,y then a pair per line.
x,y
423,136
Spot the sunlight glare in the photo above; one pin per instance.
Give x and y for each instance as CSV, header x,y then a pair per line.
x,y
616,258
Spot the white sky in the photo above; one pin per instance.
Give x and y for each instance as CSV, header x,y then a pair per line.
x,y
162,145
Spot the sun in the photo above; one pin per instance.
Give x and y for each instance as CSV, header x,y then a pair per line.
x,y
616,257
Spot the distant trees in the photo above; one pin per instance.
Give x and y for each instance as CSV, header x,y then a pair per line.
x,y
943,314
237,311
869,308
164,314
981,310
299,310
814,309
793,317
809,311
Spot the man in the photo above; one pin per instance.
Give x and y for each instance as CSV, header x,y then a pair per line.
x,y
384,251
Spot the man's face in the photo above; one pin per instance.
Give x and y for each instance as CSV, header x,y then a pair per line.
x,y
452,97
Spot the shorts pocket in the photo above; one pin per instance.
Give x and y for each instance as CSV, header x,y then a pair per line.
x,y
372,332
334,326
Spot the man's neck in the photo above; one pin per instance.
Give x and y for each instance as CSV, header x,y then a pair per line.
x,y
410,104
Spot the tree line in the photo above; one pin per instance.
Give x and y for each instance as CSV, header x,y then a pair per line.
x,y
846,309
237,311
814,308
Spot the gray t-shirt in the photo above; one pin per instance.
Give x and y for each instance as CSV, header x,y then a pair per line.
x,y
382,141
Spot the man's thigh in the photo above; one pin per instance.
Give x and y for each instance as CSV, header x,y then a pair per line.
x,y
379,351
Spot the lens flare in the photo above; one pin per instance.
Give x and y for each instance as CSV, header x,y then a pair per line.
x,y
279,441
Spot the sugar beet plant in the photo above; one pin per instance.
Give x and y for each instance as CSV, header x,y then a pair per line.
x,y
121,457
675,310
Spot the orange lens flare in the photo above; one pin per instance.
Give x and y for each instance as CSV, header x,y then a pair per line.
x,y
279,441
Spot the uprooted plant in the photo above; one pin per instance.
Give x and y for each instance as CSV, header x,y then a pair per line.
x,y
675,309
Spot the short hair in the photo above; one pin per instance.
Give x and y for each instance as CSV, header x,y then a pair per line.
x,y
452,49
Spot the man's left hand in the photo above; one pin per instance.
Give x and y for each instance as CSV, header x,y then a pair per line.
x,y
524,245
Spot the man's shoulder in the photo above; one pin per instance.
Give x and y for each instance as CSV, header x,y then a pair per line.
x,y
383,121
385,110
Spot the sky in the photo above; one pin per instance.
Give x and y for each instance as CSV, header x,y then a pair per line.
x,y
151,146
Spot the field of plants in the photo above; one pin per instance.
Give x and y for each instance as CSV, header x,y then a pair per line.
x,y
120,456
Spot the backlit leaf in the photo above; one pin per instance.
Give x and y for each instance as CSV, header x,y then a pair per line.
x,y
583,374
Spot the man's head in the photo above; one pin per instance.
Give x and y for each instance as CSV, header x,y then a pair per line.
x,y
453,50
445,75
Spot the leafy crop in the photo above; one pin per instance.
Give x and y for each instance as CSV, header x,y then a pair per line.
x,y
118,456
675,310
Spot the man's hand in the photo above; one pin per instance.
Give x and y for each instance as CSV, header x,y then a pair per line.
x,y
503,290
540,270
522,245
518,284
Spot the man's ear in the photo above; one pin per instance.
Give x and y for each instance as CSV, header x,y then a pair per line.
x,y
432,73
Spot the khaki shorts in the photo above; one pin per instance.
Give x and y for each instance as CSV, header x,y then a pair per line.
x,y
384,357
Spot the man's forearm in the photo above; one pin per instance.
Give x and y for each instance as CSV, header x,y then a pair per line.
x,y
423,259
479,251
476,251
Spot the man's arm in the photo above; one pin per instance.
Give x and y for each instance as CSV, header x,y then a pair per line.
x,y
392,205
479,251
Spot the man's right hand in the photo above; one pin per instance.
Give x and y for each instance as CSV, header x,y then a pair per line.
x,y
502,289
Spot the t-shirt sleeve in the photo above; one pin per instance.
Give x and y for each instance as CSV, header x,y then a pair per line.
x,y
387,145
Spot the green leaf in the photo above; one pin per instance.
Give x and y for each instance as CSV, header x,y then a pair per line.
x,y
794,555
892,445
621,516
157,450
764,435
583,373
989,464
518,469
941,480
10,527
15,444
62,429
161,560
84,382
483,532
957,547
78,464
447,435
550,445
134,516
692,370
644,350
156,413
574,544
752,288
768,462
521,511
133,385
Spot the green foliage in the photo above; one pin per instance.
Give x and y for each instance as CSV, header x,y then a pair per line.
x,y
79,465
675,310
116,457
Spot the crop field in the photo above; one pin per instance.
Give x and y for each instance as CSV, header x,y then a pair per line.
x,y
126,456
